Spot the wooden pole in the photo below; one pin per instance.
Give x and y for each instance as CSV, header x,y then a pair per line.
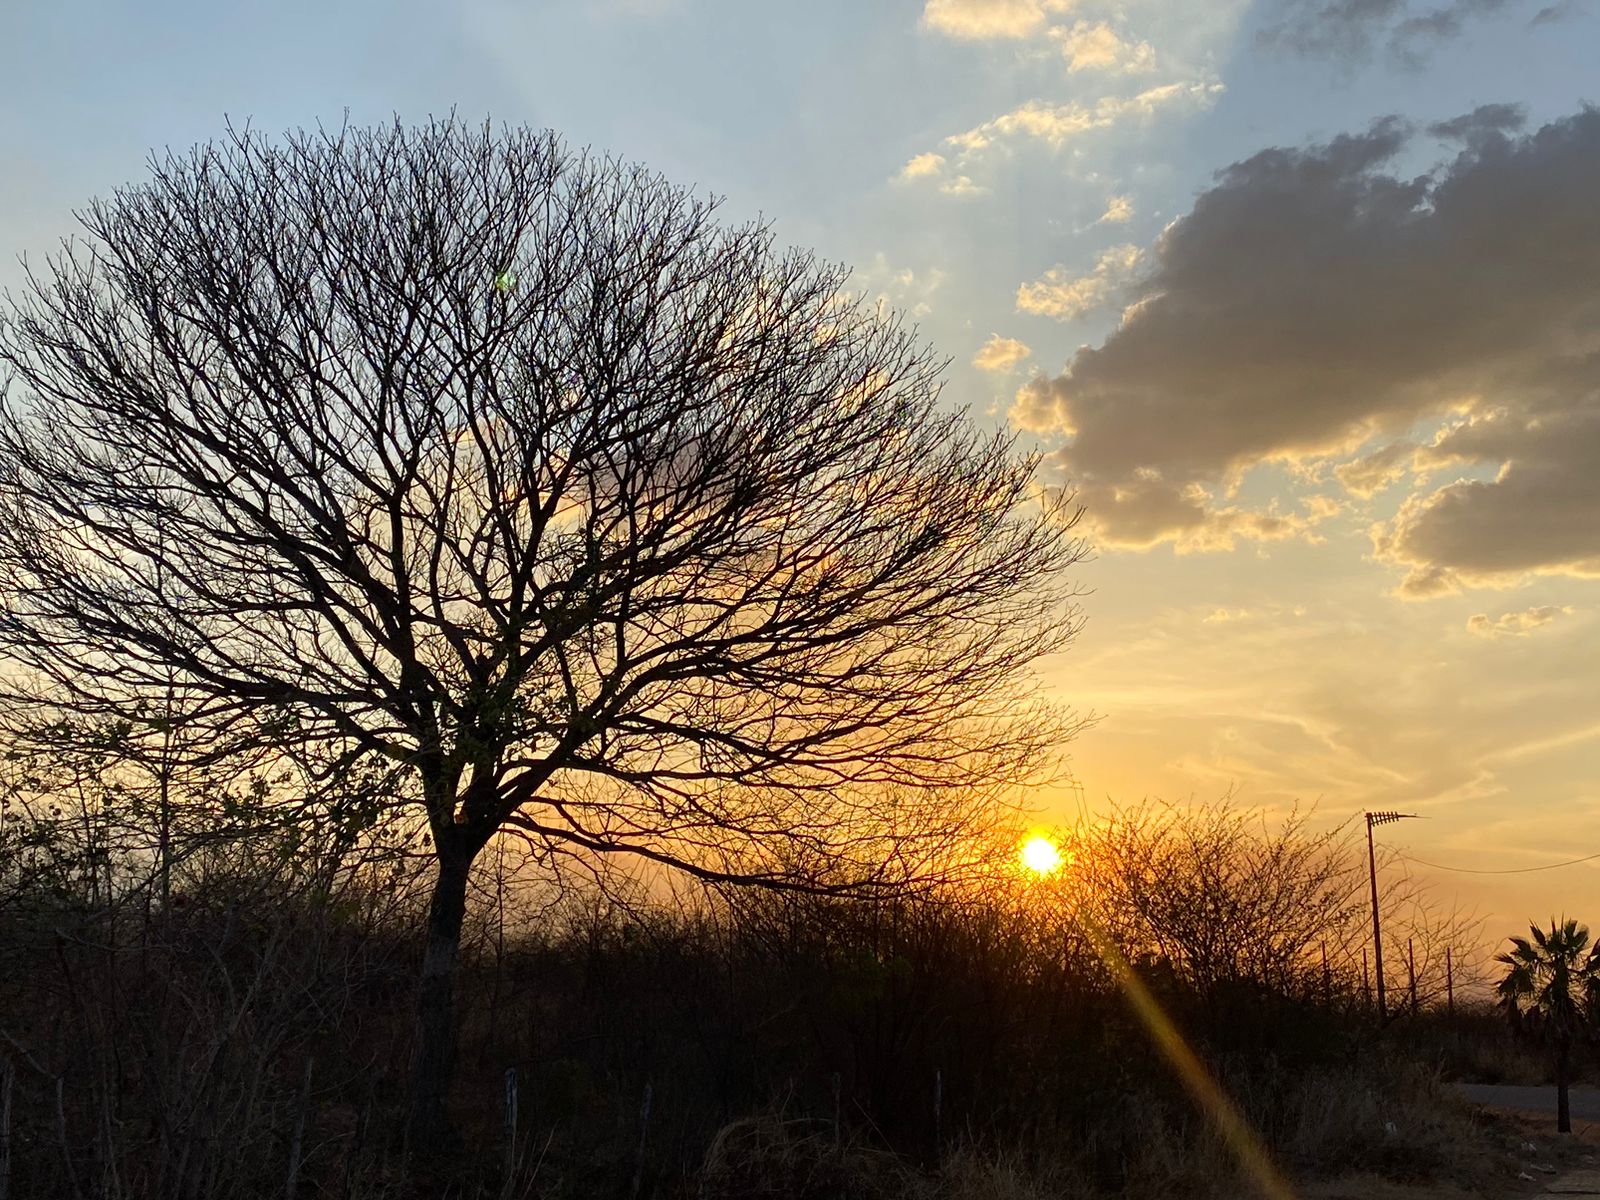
x,y
1366,979
836,1090
5,1129
291,1183
644,1133
1411,967
510,1129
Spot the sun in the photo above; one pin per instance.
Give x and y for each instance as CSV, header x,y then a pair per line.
x,y
1041,856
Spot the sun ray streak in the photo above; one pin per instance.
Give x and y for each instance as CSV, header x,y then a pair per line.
x,y
1241,1140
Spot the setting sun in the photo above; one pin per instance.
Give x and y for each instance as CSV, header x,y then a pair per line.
x,y
1041,856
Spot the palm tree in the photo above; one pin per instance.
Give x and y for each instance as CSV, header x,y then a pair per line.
x,y
1550,990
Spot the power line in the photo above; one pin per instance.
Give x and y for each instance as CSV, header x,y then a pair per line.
x,y
1571,862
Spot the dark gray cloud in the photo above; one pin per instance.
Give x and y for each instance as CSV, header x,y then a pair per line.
x,y
1485,121
1559,11
1352,30
1314,305
1540,513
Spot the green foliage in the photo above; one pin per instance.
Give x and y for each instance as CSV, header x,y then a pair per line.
x,y
1551,983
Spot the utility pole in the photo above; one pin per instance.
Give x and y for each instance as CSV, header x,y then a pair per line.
x,y
1379,818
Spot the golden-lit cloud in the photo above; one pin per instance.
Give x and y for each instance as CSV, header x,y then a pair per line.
x,y
1000,354
1518,623
1057,124
1313,304
923,166
984,19
1095,46
1147,510
1119,211
962,185
1066,297
1219,616
1372,473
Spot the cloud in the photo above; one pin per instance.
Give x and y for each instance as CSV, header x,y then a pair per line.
x,y
1372,473
1000,354
1221,616
902,288
1057,124
1516,624
1095,46
923,166
1559,11
1150,510
976,20
1538,515
1066,297
1313,301
1485,121
1119,211
1351,30
962,185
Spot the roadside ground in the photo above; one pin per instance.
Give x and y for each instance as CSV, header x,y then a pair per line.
x,y
1517,1154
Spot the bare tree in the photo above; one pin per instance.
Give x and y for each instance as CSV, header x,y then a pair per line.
x,y
512,469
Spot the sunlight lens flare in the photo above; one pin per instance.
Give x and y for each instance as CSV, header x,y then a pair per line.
x,y
1041,856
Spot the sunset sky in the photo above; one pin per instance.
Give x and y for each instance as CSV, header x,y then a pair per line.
x,y
1301,296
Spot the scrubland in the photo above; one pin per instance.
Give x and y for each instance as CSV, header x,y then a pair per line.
x,y
234,1018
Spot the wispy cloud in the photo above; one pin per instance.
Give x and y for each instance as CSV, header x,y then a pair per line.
x,y
1000,354
1066,297
1119,211
978,20
1057,124
1096,46
923,166
1516,624
1351,30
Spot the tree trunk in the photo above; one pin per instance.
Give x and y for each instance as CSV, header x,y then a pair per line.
x,y
1563,1080
436,1023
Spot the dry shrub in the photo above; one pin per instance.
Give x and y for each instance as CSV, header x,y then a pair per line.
x,y
796,1159
970,1175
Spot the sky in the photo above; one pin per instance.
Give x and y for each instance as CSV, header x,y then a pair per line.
x,y
1298,296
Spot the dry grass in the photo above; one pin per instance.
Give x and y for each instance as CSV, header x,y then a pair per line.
x,y
795,1159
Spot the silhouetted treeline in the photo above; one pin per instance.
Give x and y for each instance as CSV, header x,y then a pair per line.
x,y
250,1034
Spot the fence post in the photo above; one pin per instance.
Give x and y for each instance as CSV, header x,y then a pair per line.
x,y
644,1132
5,1129
511,1128
836,1088
1411,967
291,1184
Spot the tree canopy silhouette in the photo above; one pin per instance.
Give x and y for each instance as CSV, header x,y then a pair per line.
x,y
510,469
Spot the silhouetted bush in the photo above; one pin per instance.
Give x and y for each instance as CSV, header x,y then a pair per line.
x,y
257,1024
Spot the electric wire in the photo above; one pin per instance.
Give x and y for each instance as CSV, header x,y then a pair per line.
x,y
1571,862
